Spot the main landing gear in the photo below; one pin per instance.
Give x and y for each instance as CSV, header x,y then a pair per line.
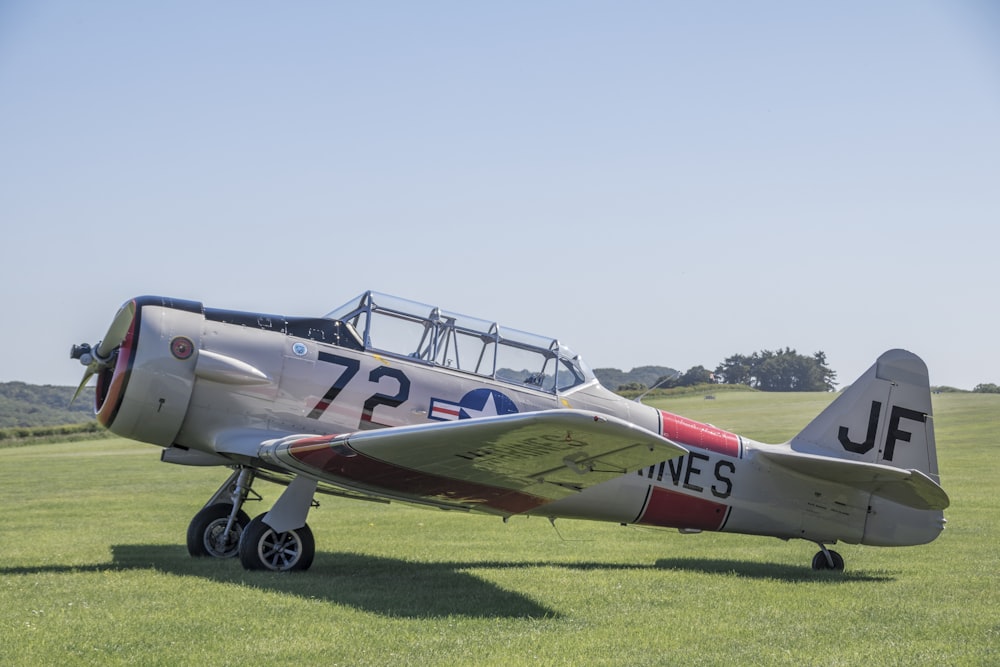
x,y
279,540
262,548
827,559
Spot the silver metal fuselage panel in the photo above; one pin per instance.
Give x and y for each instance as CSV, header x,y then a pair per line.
x,y
250,378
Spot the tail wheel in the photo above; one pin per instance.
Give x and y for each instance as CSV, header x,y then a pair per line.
x,y
821,562
261,548
207,534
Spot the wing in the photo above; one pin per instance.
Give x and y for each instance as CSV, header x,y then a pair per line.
x,y
506,464
906,487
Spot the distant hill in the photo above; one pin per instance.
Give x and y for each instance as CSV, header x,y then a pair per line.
x,y
612,378
30,405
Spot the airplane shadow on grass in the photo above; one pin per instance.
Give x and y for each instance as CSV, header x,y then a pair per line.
x,y
407,589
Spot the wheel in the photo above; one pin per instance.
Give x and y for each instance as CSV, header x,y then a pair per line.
x,y
205,532
821,563
263,549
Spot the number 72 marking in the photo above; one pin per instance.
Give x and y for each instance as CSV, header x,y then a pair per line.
x,y
351,368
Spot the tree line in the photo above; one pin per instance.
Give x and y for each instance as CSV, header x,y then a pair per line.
x,y
778,370
766,370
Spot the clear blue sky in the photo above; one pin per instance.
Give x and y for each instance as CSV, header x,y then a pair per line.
x,y
651,182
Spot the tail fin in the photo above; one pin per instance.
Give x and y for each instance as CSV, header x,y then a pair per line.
x,y
884,417
878,438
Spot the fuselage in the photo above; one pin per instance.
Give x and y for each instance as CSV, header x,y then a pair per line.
x,y
272,375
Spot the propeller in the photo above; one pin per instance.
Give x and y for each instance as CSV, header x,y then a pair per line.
x,y
102,355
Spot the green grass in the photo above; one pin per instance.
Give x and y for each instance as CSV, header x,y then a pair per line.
x,y
93,570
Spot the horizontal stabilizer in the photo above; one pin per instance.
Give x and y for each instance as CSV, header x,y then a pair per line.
x,y
911,488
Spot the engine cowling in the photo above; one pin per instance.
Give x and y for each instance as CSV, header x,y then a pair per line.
x,y
144,392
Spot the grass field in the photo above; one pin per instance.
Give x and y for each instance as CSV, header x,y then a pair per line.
x,y
94,571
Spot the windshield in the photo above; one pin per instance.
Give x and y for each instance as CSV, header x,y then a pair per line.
x,y
426,333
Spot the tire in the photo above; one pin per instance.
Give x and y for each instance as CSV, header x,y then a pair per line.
x,y
206,528
820,562
263,549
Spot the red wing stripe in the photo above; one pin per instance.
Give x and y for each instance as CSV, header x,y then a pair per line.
x,y
340,460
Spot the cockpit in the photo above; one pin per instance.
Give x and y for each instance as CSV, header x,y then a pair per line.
x,y
427,334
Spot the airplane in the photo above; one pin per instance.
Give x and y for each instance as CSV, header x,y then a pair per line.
x,y
387,399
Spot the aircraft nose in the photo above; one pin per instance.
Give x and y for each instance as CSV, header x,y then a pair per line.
x,y
102,356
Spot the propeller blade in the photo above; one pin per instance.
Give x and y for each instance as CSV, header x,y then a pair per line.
x,y
83,383
100,356
117,331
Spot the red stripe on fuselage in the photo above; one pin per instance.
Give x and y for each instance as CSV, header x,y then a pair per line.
x,y
686,431
670,509
340,460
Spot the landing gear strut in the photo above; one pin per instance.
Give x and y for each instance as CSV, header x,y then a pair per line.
x,y
827,559
215,530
